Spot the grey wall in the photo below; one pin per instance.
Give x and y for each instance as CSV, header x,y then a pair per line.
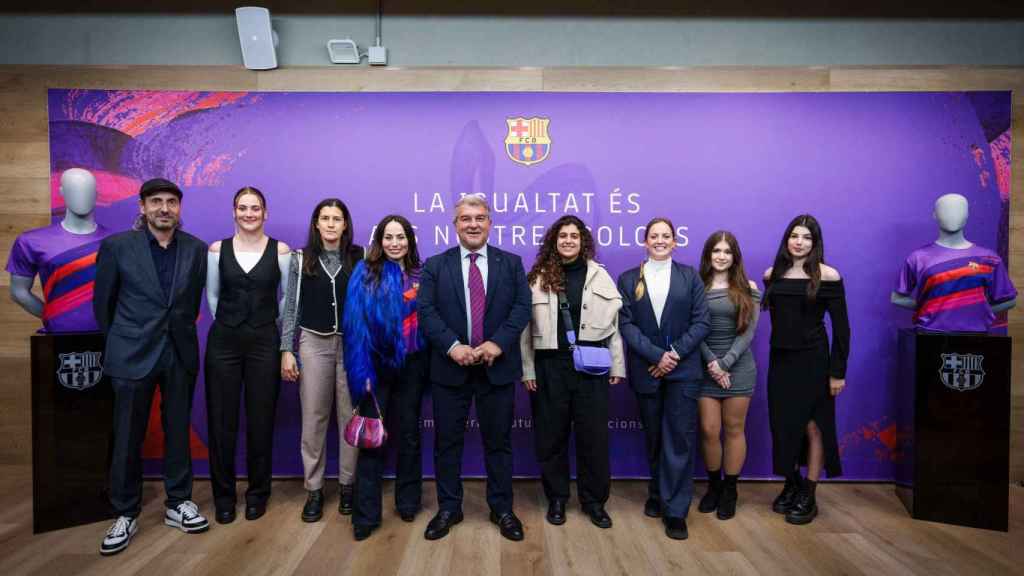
x,y
518,41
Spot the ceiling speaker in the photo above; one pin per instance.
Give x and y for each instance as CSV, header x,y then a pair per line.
x,y
257,38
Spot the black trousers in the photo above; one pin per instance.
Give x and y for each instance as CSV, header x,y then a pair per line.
x,y
409,470
669,416
132,401
401,390
494,405
237,357
567,400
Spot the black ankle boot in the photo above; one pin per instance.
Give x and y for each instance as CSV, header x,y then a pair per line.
x,y
805,508
314,508
711,498
784,501
727,502
345,499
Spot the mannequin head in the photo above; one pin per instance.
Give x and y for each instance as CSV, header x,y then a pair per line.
x,y
951,212
78,188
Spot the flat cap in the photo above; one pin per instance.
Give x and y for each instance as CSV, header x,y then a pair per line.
x,y
150,187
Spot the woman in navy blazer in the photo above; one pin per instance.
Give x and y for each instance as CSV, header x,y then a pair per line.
x,y
663,320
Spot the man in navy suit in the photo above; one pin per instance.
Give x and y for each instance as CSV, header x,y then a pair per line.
x,y
149,283
663,320
473,304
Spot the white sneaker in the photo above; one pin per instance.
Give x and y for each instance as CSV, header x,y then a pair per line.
x,y
187,517
119,535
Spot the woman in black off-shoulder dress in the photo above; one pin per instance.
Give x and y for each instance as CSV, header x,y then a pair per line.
x,y
804,374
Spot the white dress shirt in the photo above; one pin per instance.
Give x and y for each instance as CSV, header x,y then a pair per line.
x,y
481,264
658,276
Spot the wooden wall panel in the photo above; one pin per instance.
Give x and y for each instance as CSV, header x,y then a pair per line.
x,y
678,79
24,153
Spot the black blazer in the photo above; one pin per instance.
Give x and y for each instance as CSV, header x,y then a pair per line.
x,y
441,309
685,322
131,309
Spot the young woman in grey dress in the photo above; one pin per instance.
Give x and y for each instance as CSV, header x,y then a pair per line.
x,y
729,372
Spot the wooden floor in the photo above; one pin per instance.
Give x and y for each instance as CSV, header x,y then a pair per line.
x,y
862,529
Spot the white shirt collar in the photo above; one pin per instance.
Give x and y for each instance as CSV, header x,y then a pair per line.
x,y
658,265
463,251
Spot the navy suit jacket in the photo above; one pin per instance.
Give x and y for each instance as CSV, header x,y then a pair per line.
x,y
441,308
685,322
132,311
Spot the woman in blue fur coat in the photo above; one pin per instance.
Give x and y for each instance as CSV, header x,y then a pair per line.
x,y
385,355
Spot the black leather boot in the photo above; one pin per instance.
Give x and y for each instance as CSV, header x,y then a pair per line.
x,y
346,499
805,508
784,501
710,500
314,508
727,502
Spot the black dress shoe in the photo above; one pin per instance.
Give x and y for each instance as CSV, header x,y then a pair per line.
x,y
407,515
254,511
314,508
785,500
675,528
362,532
226,516
556,512
509,525
804,509
441,523
652,508
345,500
598,516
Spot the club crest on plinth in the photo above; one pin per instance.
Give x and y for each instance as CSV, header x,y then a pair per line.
x,y
527,142
80,370
962,372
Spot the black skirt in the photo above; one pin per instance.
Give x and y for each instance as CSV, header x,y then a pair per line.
x,y
798,392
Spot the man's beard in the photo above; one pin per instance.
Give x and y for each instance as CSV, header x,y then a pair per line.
x,y
142,220
155,223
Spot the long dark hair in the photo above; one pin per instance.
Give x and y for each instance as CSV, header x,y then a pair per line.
x,y
315,246
641,284
739,285
375,257
812,265
548,266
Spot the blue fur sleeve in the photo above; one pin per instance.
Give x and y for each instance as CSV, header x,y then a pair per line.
x,y
358,360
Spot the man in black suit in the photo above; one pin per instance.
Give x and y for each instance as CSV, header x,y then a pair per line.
x,y
473,304
149,283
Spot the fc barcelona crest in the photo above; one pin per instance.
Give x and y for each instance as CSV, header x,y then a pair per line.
x,y
962,372
80,370
527,142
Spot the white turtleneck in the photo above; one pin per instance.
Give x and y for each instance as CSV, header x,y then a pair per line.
x,y
657,275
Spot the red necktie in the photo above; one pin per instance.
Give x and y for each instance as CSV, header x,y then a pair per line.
x,y
477,301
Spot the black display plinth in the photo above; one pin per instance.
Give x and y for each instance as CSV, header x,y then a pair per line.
x,y
72,404
954,394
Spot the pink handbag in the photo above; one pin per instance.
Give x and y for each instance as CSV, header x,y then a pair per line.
x,y
364,431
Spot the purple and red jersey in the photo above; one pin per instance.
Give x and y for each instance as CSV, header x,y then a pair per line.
x,y
955,289
410,321
66,264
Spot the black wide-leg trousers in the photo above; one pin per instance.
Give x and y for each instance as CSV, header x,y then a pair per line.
x,y
567,400
242,358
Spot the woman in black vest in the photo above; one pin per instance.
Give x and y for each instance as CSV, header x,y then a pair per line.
x,y
243,276
315,304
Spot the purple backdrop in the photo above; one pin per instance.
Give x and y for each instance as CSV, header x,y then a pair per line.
x,y
869,166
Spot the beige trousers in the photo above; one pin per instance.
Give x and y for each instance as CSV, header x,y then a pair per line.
x,y
323,383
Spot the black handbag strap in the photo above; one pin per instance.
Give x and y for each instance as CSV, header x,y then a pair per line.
x,y
563,307
355,411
